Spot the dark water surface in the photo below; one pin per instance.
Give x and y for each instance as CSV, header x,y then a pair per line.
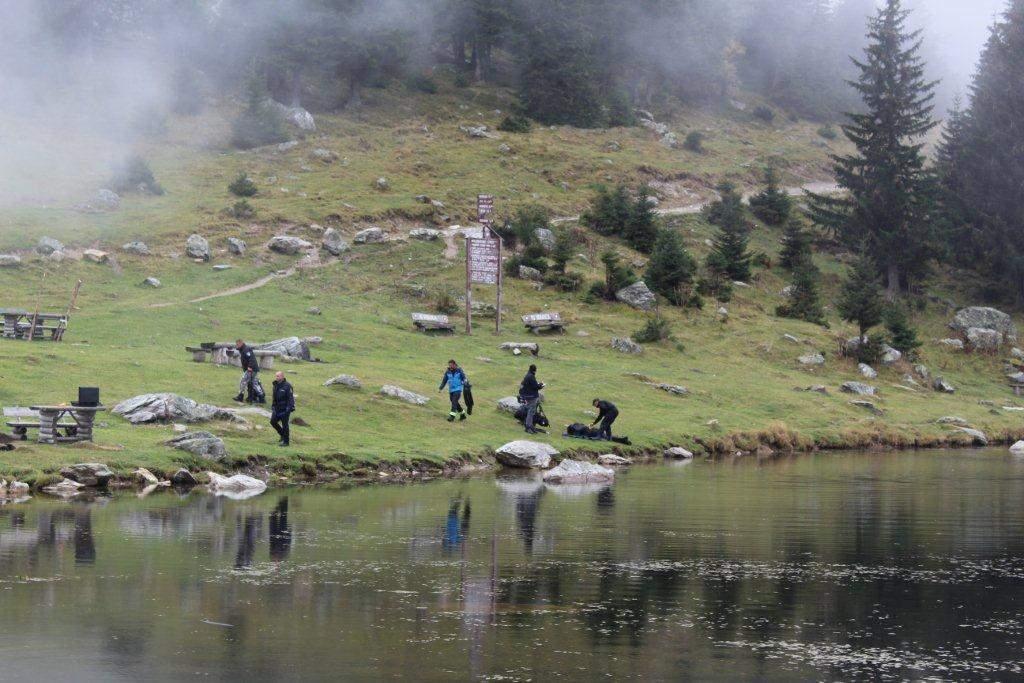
x,y
822,567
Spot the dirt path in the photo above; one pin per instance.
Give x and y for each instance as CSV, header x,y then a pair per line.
x,y
310,260
818,187
451,247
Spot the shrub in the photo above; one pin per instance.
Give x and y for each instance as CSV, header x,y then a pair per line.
x,y
715,284
566,242
616,276
620,110
871,349
763,113
828,132
260,123
694,141
654,330
134,175
526,222
445,302
671,268
242,210
515,123
512,264
243,186
565,282
461,80
609,211
902,336
796,245
419,82
804,303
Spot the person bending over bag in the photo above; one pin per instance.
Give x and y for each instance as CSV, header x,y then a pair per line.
x,y
606,414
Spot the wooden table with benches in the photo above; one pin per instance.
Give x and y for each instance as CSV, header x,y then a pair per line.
x,y
22,324
223,353
76,422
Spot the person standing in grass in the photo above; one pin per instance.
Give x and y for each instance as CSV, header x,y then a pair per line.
x,y
283,406
249,388
529,394
606,414
455,379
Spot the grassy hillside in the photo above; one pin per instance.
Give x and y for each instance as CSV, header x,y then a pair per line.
x,y
745,382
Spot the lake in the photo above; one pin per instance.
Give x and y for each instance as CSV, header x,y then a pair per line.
x,y
844,566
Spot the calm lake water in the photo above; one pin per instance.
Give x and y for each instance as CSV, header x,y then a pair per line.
x,y
819,567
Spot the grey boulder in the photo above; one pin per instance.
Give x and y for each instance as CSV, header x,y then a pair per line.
x,y
637,295
858,388
9,260
984,318
982,339
136,247
425,234
184,478
236,246
92,474
48,245
371,235
546,238
107,200
526,454
293,347
957,344
978,437
677,452
939,384
349,381
333,243
288,244
151,282
812,359
626,345
168,408
867,371
509,404
529,273
404,395
203,444
612,460
197,247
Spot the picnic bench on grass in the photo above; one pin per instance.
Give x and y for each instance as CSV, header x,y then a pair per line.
x,y
22,324
56,424
426,322
540,322
1018,387
224,353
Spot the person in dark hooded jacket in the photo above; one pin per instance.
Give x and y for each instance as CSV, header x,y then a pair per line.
x,y
282,408
529,394
606,414
455,379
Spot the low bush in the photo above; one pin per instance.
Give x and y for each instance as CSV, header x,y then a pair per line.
x,y
694,141
419,82
763,113
515,123
654,330
134,175
828,132
243,186
242,210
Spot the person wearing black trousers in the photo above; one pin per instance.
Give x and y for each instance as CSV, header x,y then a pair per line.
x,y
282,408
606,414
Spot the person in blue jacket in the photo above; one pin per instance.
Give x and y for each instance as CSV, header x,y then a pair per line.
x,y
456,381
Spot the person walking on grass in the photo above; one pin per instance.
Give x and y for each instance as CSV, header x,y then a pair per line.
x,y
249,387
283,406
456,381
529,394
606,414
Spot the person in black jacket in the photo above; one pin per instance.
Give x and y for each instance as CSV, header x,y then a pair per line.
x,y
282,407
606,414
249,388
529,394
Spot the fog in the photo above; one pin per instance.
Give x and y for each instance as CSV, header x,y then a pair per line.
x,y
84,82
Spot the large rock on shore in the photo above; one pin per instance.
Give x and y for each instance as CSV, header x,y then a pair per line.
x,y
168,408
288,244
184,478
526,454
987,319
578,472
1017,448
197,247
404,395
678,453
203,444
92,474
978,437
638,296
237,486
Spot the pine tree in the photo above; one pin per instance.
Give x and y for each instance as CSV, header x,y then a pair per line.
x,y
729,255
796,245
565,243
671,268
902,336
616,276
988,165
771,205
259,123
958,235
610,211
641,231
887,198
860,301
804,302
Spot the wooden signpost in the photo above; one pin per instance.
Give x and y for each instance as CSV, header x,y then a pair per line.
x,y
483,260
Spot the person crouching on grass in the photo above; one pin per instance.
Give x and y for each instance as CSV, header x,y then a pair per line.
x,y
606,414
456,381
283,406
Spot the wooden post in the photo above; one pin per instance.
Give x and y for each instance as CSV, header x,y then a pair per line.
x,y
497,317
469,292
74,299
32,327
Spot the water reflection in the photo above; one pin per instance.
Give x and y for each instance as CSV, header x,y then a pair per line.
x,y
874,567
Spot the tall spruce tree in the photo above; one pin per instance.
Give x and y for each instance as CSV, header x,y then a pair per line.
x,y
772,205
986,165
641,230
860,301
804,302
956,219
796,245
671,268
729,255
888,190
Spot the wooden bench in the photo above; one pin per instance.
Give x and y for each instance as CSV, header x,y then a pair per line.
x,y
540,322
24,419
1018,388
426,322
227,355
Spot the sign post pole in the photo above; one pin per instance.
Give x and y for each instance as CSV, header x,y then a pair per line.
x,y
497,315
483,260
469,288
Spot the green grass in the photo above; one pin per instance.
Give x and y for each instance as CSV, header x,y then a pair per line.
x,y
129,339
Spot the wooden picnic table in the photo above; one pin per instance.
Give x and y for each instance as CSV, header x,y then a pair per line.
x,y
22,324
78,429
226,354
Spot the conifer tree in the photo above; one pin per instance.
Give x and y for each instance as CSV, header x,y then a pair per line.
x,y
641,231
902,335
729,255
888,190
804,301
772,205
671,268
796,245
860,301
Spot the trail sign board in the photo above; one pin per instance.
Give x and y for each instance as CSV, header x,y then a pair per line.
x,y
484,208
484,256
